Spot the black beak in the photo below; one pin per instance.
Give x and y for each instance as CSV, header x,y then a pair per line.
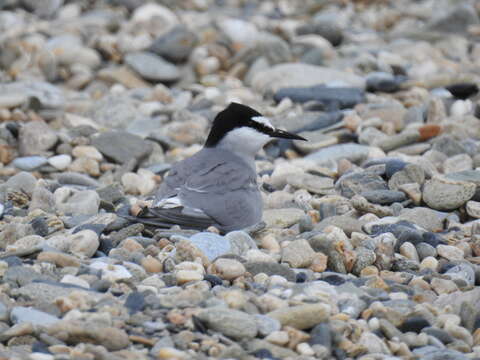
x,y
286,135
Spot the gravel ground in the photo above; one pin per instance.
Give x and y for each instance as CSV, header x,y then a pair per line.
x,y
370,247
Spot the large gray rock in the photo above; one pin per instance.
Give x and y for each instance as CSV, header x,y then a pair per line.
x,y
121,146
442,193
298,75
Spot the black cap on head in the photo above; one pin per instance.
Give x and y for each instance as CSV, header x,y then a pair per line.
x,y
235,115
238,115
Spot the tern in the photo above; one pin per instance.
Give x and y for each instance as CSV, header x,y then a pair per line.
x,y
217,186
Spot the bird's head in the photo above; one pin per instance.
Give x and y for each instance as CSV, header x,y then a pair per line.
x,y
244,129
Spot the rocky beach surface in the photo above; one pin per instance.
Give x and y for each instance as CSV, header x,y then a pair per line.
x,y
370,242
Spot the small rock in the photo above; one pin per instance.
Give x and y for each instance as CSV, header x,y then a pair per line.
x,y
443,286
232,323
228,269
302,316
298,74
442,193
450,252
211,245
473,209
121,146
298,254
429,263
383,197
85,202
331,98
21,314
151,264
29,163
60,162
381,81
86,151
152,67
36,137
176,45
76,332
282,218
84,244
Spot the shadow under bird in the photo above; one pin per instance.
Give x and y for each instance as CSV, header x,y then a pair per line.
x,y
217,185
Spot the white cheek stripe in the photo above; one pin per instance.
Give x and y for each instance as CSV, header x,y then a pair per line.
x,y
264,121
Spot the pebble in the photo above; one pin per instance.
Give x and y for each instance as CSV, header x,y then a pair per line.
x,y
152,67
231,323
444,194
60,162
29,163
302,316
450,252
84,243
228,269
282,218
298,254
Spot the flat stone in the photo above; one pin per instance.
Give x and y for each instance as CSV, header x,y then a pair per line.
x,y
152,67
355,183
29,163
48,95
270,269
21,314
450,252
211,245
302,316
354,152
383,197
77,331
282,218
84,202
298,74
428,219
232,323
331,98
298,254
121,146
312,183
443,193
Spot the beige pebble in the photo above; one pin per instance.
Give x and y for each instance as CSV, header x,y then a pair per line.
x,y
228,269
319,262
278,337
84,243
270,243
184,276
429,263
151,264
132,245
369,271
59,259
305,349
87,151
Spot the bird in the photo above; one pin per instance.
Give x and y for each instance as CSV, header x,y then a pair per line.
x,y
217,186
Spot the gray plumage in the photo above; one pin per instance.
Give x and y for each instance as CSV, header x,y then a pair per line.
x,y
217,186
